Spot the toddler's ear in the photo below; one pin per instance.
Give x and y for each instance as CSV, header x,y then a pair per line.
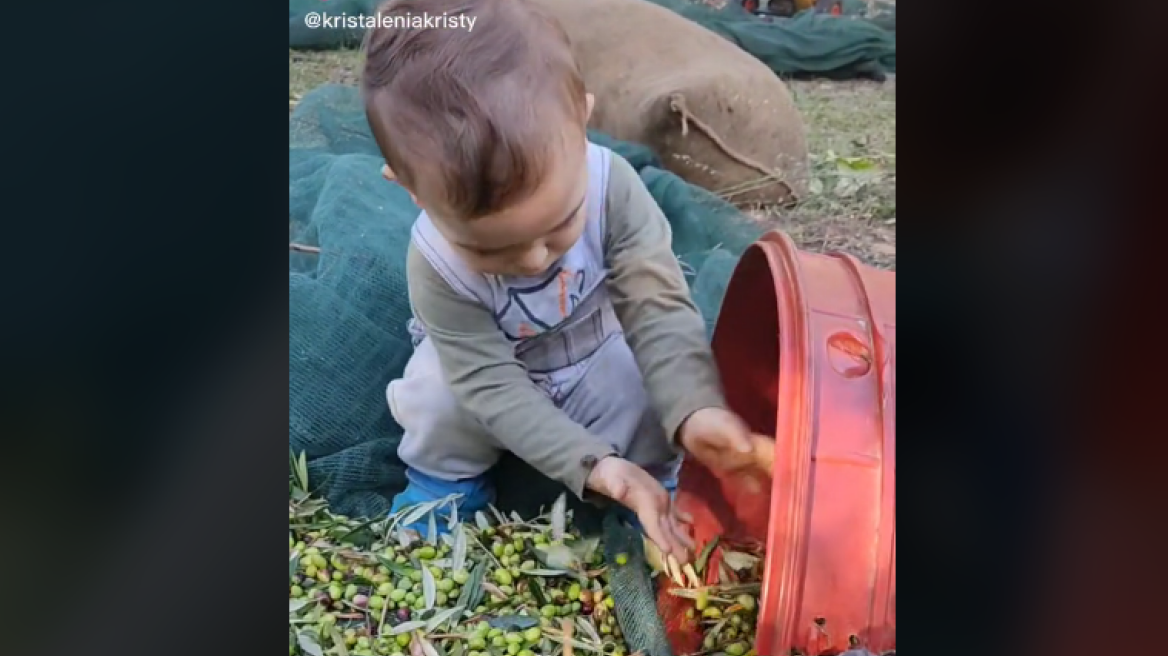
x,y
388,174
590,101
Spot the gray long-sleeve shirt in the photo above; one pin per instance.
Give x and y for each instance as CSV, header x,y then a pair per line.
x,y
661,324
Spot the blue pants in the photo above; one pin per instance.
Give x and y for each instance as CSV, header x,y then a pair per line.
x,y
476,493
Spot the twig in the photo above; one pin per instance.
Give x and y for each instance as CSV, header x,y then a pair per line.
x,y
569,628
303,248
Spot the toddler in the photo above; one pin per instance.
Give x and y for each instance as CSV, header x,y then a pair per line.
x,y
551,318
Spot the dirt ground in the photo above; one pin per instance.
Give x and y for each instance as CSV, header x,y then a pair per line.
x,y
851,128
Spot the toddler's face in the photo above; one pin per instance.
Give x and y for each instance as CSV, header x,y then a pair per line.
x,y
527,238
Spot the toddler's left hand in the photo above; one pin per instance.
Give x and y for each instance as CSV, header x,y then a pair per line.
x,y
721,441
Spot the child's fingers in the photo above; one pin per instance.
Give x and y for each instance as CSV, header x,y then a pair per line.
x,y
680,532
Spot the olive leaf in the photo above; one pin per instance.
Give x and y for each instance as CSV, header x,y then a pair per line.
x,y
585,625
296,604
293,564
419,511
458,649
739,561
498,515
406,627
559,517
481,521
557,556
432,531
458,558
308,644
447,540
429,588
404,537
585,548
547,572
654,557
338,642
704,556
394,568
453,521
536,589
442,617
513,622
427,646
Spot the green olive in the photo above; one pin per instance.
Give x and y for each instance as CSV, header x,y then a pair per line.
x,y
445,585
397,594
335,592
404,584
415,576
532,635
318,561
735,620
497,549
477,643
507,589
310,571
440,599
514,648
351,591
525,652
527,565
410,598
746,601
494,633
337,576
503,577
376,602
460,576
735,649
574,592
508,549
712,613
512,636
425,553
498,641
622,559
297,591
548,611
403,640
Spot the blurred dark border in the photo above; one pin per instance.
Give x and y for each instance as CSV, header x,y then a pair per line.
x,y
144,330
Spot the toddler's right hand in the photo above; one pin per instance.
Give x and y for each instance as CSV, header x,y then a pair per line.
x,y
630,485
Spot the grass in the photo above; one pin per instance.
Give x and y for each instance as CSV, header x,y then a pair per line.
x,y
851,131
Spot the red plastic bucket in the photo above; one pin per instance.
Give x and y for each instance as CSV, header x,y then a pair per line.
x,y
806,345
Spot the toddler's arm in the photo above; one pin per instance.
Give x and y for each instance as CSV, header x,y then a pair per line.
x,y
662,325
480,367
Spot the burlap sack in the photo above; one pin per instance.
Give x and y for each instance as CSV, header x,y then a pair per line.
x,y
715,115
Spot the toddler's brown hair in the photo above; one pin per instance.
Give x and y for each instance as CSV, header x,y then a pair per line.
x,y
469,119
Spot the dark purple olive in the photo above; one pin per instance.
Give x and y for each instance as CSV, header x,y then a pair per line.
x,y
403,614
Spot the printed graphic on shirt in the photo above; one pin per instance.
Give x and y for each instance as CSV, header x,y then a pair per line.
x,y
540,307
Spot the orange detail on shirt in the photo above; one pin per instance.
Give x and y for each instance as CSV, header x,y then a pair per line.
x,y
525,330
563,293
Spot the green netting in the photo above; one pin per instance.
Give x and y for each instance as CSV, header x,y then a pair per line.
x,y
807,44
857,45
348,303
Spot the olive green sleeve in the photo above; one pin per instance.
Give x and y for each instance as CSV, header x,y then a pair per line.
x,y
480,367
662,325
